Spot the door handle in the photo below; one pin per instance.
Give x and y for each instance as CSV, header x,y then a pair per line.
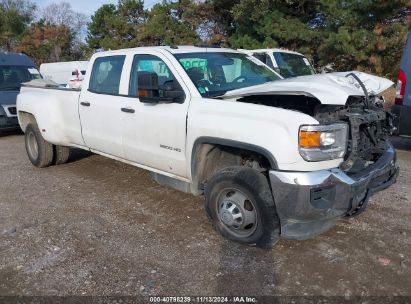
x,y
85,104
128,110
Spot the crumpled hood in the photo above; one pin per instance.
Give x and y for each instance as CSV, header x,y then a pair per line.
x,y
332,88
8,97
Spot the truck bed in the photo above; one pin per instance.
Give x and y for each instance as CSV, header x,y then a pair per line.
x,y
62,124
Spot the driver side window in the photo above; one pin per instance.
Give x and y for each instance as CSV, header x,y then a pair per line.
x,y
150,64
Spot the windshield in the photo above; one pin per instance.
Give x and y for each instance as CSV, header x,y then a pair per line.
x,y
11,77
293,65
216,73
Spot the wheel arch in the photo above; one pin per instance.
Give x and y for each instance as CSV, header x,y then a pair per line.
x,y
25,118
210,154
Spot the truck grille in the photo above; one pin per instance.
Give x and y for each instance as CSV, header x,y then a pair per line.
x,y
12,110
370,127
369,132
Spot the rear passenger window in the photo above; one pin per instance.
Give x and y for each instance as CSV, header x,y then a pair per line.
x,y
106,75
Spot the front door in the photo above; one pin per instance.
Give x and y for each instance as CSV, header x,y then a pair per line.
x,y
154,135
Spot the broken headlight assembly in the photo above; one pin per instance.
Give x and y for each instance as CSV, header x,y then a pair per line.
x,y
323,142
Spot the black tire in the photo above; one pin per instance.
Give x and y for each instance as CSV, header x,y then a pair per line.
x,y
43,157
61,155
254,186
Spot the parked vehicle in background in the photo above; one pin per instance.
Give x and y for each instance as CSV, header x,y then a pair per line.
x,y
64,73
286,63
15,69
402,107
273,157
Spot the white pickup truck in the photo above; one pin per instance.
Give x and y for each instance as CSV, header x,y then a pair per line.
x,y
273,158
285,62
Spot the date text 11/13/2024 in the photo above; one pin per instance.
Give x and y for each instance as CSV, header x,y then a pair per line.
x,y
240,299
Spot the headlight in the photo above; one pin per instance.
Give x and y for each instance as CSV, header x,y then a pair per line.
x,y
323,142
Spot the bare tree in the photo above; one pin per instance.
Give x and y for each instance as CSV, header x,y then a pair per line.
x,y
24,7
62,14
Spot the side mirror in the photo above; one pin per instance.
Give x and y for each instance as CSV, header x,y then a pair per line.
x,y
149,91
147,84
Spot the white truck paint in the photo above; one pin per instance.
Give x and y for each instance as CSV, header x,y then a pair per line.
x,y
168,138
319,86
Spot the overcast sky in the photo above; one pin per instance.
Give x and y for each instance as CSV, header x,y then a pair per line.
x,y
87,7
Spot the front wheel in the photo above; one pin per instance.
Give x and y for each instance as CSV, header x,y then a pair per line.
x,y
39,151
241,206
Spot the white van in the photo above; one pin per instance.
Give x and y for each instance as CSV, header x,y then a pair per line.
x,y
286,63
64,72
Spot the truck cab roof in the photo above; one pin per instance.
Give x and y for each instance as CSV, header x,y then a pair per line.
x,y
15,59
175,49
273,50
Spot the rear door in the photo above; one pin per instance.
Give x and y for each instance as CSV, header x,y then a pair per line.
x,y
100,106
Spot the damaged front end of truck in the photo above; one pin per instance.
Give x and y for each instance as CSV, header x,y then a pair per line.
x,y
309,203
370,126
358,106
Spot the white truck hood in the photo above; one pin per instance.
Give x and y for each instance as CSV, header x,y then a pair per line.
x,y
332,88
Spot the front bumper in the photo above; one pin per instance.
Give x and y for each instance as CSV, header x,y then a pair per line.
x,y
7,123
8,117
310,203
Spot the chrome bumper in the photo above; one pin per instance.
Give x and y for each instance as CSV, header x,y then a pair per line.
x,y
310,203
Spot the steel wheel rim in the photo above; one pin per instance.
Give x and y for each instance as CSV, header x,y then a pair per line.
x,y
237,213
32,145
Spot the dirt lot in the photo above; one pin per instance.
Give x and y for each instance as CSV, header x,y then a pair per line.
x,y
99,227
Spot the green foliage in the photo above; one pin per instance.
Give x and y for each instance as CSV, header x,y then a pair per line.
x,y
129,25
99,27
364,35
272,24
45,42
167,25
217,23
15,16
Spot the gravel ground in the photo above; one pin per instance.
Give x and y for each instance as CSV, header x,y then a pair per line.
x,y
99,227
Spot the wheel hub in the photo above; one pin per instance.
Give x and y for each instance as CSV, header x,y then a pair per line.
x,y
33,146
227,217
237,213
